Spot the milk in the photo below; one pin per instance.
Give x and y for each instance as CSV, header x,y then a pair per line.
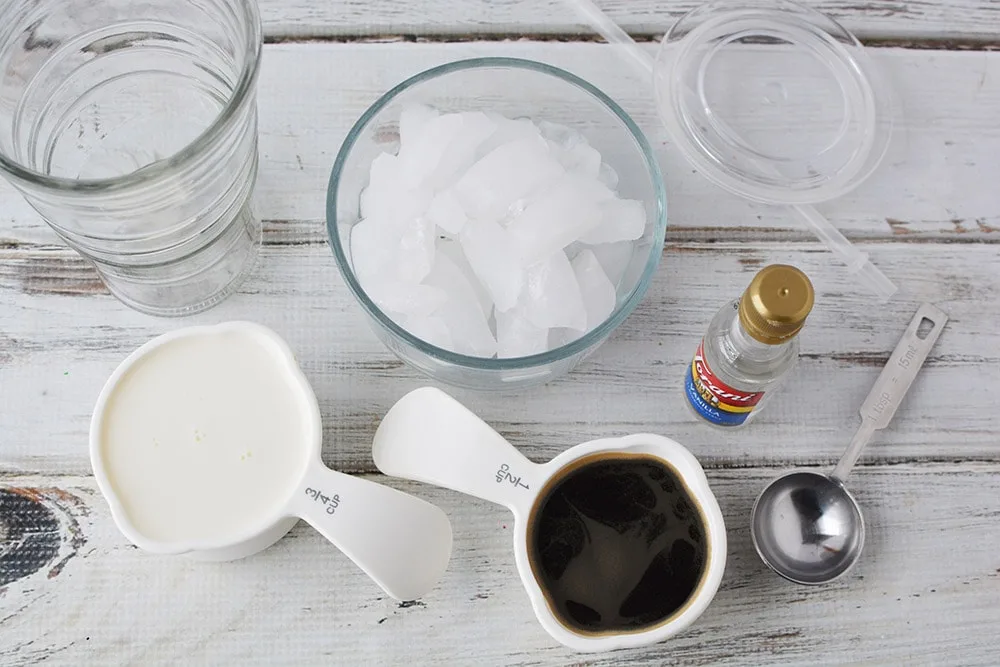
x,y
206,437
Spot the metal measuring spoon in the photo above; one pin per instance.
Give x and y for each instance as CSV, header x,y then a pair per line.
x,y
806,526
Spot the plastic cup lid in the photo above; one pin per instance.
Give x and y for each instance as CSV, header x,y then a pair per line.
x,y
771,100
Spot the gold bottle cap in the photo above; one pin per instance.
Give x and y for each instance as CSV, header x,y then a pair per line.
x,y
775,305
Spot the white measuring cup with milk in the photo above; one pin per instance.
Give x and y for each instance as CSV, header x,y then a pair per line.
x,y
206,441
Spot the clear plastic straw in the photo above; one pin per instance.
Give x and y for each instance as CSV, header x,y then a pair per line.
x,y
857,262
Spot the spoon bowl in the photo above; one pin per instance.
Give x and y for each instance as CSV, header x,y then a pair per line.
x,y
807,527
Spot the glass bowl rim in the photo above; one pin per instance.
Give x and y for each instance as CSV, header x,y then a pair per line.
x,y
562,352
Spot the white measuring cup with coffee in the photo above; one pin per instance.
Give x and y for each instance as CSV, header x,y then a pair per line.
x,y
619,542
206,441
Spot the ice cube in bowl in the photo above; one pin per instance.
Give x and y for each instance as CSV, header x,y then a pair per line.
x,y
468,128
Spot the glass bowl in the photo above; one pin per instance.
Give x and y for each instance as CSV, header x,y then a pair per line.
x,y
515,88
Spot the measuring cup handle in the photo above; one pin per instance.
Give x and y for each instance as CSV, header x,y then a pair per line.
x,y
402,542
430,437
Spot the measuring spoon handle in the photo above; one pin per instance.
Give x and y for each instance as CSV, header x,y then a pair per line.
x,y
902,367
893,383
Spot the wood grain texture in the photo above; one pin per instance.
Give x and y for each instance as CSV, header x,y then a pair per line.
x,y
62,347
930,569
939,169
74,592
872,19
61,334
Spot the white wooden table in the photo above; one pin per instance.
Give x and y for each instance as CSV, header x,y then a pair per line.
x,y
927,589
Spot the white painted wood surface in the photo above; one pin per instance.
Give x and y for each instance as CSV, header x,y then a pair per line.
x,y
928,216
972,20
925,591
940,166
928,586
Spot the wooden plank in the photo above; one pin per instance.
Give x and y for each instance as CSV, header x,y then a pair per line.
x,y
60,334
936,183
871,20
57,347
924,592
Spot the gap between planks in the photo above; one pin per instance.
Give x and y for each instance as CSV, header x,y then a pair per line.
x,y
14,477
915,44
292,233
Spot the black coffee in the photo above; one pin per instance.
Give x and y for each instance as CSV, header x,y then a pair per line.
x,y
617,543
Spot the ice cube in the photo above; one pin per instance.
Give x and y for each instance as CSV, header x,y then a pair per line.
x,y
476,127
470,333
399,299
559,134
403,249
384,171
493,256
518,337
421,157
596,289
453,251
415,249
513,171
403,252
394,229
428,328
607,175
462,312
383,181
552,295
581,159
393,203
447,213
623,219
443,148
448,277
412,120
571,148
614,258
562,336
376,263
507,130
369,255
406,299
569,211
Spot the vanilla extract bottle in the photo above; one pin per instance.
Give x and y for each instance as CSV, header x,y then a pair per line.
x,y
750,347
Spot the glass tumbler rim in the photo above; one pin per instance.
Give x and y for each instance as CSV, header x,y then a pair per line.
x,y
589,339
243,90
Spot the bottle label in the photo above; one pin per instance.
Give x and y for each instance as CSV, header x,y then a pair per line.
x,y
713,399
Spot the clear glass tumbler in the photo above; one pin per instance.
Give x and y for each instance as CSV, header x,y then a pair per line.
x,y
131,127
